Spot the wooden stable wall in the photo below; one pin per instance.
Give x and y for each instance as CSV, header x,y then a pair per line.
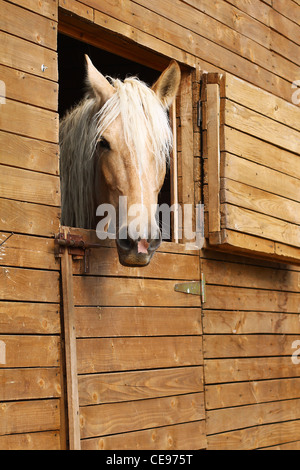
x,y
139,351
250,321
30,366
257,41
251,316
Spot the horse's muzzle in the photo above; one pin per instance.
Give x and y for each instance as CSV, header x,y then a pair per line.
x,y
137,253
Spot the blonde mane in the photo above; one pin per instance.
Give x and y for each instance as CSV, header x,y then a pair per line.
x,y
145,124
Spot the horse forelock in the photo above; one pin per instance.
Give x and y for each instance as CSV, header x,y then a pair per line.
x,y
144,120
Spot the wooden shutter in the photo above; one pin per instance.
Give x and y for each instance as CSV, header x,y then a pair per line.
x,y
252,169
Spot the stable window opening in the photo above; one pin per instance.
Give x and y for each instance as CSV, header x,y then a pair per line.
x,y
72,88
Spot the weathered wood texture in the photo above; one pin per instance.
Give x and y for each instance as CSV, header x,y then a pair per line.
x,y
250,324
253,195
139,352
252,40
31,407
256,41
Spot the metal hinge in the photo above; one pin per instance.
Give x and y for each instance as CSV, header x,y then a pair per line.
x,y
194,288
199,113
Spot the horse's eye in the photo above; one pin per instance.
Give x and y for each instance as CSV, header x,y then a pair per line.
x,y
104,144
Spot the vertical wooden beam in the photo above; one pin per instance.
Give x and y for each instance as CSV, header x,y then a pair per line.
x,y
213,155
174,174
70,350
187,146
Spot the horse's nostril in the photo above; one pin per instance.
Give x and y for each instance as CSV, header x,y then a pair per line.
x,y
126,244
155,242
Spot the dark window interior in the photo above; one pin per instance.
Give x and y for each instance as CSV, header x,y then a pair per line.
x,y
71,66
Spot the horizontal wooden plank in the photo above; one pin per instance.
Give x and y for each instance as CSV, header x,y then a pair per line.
x,y
253,223
215,346
117,387
231,38
246,260
239,322
30,351
245,393
285,26
119,321
28,153
258,176
254,199
261,10
256,9
249,26
22,55
29,186
28,384
264,103
21,86
209,50
29,218
105,261
258,151
256,124
255,437
240,275
130,292
28,25
90,237
118,354
245,369
99,420
280,43
47,8
31,441
241,243
157,57
29,285
288,8
29,318
77,8
29,416
29,121
295,445
187,436
27,251
234,19
232,298
287,251
229,419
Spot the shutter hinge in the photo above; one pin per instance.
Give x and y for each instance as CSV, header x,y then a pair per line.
x,y
194,288
199,113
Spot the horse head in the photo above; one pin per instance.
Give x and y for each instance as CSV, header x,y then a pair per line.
x,y
133,144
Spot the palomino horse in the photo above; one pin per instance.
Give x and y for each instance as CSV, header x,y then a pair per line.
x,y
116,142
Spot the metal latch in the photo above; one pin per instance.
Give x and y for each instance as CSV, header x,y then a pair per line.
x,y
76,246
194,288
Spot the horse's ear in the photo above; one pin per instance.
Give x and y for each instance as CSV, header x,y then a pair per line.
x,y
167,85
100,86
